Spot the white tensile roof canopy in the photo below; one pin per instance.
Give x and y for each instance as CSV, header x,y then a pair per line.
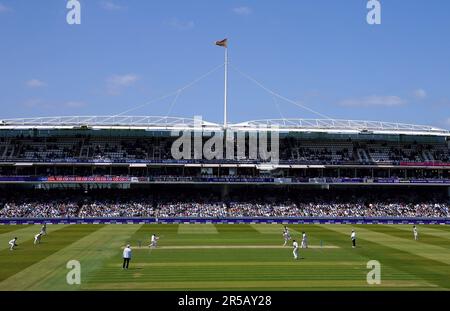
x,y
174,123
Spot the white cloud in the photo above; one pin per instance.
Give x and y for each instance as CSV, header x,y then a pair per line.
x,y
110,6
447,121
243,10
116,83
35,83
123,80
420,93
181,25
373,101
4,8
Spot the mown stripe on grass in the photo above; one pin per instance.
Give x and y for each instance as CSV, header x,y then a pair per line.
x,y
390,251
267,247
440,238
243,263
373,234
318,236
91,251
394,265
25,233
260,285
197,229
445,228
393,240
28,254
9,228
288,271
430,230
162,230
236,229
166,232
322,266
273,229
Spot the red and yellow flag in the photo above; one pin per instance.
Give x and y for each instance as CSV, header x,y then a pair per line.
x,y
223,43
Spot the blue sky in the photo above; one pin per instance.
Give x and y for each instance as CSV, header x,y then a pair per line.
x,y
319,53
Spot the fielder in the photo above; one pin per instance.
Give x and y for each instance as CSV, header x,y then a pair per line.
x,y
153,241
353,237
37,238
304,240
12,244
295,250
44,229
416,233
286,235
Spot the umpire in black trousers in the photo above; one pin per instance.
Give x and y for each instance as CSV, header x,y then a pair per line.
x,y
126,257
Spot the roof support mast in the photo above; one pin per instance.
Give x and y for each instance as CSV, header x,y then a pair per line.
x,y
224,43
225,90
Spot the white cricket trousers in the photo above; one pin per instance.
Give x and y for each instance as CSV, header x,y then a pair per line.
x,y
295,252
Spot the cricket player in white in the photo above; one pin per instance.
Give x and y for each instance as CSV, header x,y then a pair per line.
x,y
286,235
295,251
304,240
154,241
12,244
416,233
44,229
353,237
37,238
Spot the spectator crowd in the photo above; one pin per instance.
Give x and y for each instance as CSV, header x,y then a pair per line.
x,y
217,209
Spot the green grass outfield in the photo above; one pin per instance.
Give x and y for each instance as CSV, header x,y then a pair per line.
x,y
225,257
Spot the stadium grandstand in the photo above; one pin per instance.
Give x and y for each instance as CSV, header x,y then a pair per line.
x,y
122,166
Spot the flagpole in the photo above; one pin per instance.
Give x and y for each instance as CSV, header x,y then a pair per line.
x,y
225,90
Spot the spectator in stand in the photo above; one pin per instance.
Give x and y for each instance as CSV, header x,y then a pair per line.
x,y
135,205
